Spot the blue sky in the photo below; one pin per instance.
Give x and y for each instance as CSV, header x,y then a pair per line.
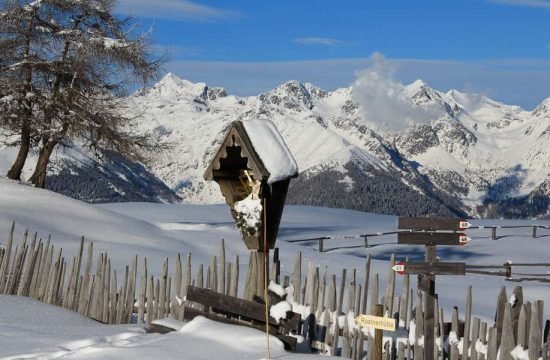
x,y
497,47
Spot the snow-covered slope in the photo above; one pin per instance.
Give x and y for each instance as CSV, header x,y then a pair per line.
x,y
158,231
469,156
75,172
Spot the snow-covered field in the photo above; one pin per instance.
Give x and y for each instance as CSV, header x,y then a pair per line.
x,y
158,231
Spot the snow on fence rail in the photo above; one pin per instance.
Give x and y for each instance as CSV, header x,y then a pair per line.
x,y
40,271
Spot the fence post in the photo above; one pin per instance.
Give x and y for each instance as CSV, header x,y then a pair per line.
x,y
494,233
534,231
321,244
378,311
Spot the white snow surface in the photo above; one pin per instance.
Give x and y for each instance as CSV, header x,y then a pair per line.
x,y
159,231
271,149
34,330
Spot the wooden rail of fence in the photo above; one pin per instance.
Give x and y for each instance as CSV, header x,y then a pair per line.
x,y
37,269
321,240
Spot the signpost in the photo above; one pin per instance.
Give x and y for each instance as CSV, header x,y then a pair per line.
x,y
433,224
430,268
432,238
378,323
423,231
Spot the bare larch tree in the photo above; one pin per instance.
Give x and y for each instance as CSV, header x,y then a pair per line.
x,y
79,59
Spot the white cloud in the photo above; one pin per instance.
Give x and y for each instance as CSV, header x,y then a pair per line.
x,y
514,81
317,41
382,100
182,10
544,4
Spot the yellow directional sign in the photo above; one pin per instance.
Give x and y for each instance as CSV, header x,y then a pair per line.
x,y
376,322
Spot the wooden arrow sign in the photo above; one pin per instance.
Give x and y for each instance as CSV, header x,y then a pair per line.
x,y
426,238
433,224
376,322
425,268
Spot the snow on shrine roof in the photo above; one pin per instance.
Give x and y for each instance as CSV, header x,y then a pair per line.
x,y
272,150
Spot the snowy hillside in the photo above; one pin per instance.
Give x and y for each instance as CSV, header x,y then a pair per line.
x,y
460,153
158,231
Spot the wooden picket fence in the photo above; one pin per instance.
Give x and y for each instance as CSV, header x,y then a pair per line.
x,y
36,269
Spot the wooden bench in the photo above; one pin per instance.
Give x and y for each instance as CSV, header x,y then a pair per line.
x,y
232,310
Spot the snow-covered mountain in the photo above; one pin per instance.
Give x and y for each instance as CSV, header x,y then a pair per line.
x,y
457,154
471,155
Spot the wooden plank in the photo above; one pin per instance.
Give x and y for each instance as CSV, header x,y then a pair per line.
x,y
432,223
507,343
315,291
517,304
221,302
234,290
162,291
221,283
366,286
426,284
419,333
501,302
378,311
86,280
150,300
106,293
475,338
341,293
200,276
431,238
535,333
331,297
187,277
297,278
322,290
467,321
430,268
429,310
112,300
143,292
36,273
6,259
352,291
390,289
131,290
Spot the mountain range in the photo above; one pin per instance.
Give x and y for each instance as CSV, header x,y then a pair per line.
x,y
461,154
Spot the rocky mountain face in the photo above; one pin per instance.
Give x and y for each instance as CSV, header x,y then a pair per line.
x,y
467,156
473,156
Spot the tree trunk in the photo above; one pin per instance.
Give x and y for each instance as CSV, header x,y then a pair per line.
x,y
38,178
17,167
15,171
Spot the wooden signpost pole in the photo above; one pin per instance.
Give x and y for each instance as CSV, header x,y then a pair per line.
x,y
429,307
424,231
378,311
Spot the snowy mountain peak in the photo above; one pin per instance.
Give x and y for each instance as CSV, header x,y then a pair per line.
x,y
172,85
417,85
543,109
291,95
